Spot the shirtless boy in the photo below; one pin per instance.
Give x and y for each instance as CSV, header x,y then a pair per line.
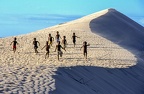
x,y
74,39
35,43
58,48
14,44
85,49
47,46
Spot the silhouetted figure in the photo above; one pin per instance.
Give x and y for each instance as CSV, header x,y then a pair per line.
x,y
57,37
58,48
74,39
14,44
35,43
64,42
50,39
85,49
47,46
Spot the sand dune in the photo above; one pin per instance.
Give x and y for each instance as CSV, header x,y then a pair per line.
x,y
25,72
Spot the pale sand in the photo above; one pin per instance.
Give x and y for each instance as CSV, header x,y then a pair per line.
x,y
27,72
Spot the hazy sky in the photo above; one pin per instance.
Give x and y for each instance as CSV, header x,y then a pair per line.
x,y
77,8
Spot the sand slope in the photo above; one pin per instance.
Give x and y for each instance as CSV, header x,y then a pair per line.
x,y
25,72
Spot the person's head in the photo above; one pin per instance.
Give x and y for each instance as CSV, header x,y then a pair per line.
x,y
49,34
64,37
73,33
85,43
57,32
34,38
15,38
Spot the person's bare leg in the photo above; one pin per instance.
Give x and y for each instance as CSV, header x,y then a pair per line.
x,y
58,56
36,51
86,55
47,55
14,49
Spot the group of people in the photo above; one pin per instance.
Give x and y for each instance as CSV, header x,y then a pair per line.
x,y
58,47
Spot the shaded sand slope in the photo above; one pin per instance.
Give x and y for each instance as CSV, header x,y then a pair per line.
x,y
95,80
120,29
25,72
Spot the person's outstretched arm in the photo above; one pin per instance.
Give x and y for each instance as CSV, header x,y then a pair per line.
x,y
38,43
11,43
33,43
63,48
17,43
81,47
43,47
77,37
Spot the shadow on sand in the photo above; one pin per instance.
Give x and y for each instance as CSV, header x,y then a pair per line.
x,y
96,80
121,30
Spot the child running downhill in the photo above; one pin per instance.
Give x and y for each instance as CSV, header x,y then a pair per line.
x,y
47,46
14,44
35,43
50,39
85,49
58,48
57,37
74,39
64,41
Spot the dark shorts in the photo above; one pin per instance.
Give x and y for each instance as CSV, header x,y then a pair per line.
x,y
74,41
35,47
60,53
47,50
85,51
14,47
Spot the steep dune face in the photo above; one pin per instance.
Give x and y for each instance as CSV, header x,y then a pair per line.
x,y
119,29
26,72
102,52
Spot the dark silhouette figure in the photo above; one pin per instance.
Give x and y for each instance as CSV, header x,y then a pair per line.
x,y
57,37
50,39
58,48
47,46
64,41
85,49
14,44
74,39
35,43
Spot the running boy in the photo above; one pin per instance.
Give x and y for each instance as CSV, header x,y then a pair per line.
x,y
58,48
85,49
47,46
50,39
58,37
14,44
35,43
64,41
74,39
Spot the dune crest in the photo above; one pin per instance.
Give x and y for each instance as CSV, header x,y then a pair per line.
x,y
108,49
102,52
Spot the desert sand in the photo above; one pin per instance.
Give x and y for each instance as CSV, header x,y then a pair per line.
x,y
25,72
